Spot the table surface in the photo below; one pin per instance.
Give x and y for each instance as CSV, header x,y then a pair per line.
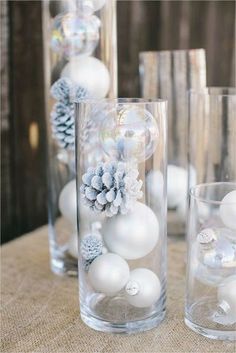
x,y
40,311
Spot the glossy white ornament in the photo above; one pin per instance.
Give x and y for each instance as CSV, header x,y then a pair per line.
x,y
227,297
108,273
89,73
147,285
177,181
134,235
67,202
73,245
228,210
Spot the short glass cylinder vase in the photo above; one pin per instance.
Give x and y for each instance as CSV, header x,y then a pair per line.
x,y
212,134
80,62
169,75
211,269
121,148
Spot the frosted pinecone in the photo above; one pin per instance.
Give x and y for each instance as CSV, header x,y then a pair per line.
x,y
91,247
62,115
111,188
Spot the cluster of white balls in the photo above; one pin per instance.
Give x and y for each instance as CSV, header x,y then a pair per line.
x,y
128,237
214,260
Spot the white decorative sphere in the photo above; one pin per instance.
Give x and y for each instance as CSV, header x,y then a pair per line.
x,y
108,273
73,245
155,185
228,210
177,183
98,4
146,288
134,235
67,202
227,294
89,73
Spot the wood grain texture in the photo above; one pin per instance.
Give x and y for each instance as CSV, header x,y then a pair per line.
x,y
142,25
166,25
26,125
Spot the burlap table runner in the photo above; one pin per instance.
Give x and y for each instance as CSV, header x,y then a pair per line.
x,y
40,311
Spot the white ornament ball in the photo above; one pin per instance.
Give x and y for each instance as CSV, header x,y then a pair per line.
x,y
228,210
108,273
146,288
134,235
73,245
67,202
155,185
227,294
89,73
177,183
98,4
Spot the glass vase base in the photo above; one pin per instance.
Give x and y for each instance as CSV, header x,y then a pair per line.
x,y
210,333
123,328
64,267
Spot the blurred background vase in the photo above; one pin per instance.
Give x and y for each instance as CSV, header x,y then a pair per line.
x,y
212,130
169,75
80,62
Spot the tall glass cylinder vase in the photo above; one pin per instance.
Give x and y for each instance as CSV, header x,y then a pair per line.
x,y
212,131
121,149
80,62
169,75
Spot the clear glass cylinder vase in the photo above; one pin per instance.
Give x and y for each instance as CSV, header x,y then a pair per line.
x,y
211,268
80,62
169,75
212,135
121,149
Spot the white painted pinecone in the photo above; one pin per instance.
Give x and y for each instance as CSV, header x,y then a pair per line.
x,y
111,188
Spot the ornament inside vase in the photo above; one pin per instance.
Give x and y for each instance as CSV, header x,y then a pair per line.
x,y
134,235
74,34
129,134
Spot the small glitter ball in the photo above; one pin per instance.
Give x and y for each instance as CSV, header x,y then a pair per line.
x,y
206,236
74,34
132,288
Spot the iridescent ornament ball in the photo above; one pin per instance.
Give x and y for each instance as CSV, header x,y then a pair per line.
x,y
129,133
74,34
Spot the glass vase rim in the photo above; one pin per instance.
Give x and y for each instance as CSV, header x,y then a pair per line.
x,y
130,100
171,51
193,189
204,91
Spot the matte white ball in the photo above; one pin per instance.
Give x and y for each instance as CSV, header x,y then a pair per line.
x,y
177,183
73,245
149,288
227,294
98,4
134,235
108,273
228,210
155,185
67,202
89,73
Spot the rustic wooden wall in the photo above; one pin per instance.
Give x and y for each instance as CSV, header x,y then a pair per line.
x,y
142,25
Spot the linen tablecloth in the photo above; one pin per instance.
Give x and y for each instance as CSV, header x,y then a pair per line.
x,y
40,311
